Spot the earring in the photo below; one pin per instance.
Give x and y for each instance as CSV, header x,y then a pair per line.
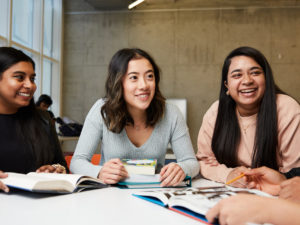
x,y
227,92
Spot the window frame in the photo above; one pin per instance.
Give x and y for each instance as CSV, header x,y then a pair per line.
x,y
39,55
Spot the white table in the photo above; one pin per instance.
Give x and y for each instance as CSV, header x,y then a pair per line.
x,y
108,206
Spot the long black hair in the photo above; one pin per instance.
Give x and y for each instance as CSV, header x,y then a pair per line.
x,y
30,121
114,111
227,132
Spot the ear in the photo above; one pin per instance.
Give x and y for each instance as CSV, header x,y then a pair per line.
x,y
225,83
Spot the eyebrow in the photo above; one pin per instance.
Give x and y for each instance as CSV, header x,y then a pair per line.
x,y
252,68
21,72
148,71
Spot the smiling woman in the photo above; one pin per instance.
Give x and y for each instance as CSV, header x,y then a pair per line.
x,y
134,122
17,87
253,124
28,141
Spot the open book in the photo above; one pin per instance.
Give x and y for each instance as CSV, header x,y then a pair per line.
x,y
193,202
51,182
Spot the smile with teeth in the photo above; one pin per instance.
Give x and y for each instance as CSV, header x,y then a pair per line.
x,y
143,96
24,94
248,90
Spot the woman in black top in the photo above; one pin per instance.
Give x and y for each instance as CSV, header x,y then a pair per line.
x,y
28,141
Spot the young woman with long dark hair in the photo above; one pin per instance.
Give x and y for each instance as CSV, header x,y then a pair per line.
x,y
134,122
253,124
28,141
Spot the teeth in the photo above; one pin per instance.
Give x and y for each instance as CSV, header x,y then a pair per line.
x,y
248,90
24,94
143,96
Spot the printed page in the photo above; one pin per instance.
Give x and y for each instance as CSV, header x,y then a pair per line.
x,y
138,178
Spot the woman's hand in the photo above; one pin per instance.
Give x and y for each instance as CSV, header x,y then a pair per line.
x,y
112,172
3,186
171,175
264,179
290,190
241,183
55,168
240,209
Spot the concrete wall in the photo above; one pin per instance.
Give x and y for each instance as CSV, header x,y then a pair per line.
x,y
189,46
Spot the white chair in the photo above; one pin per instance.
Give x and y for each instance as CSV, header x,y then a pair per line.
x,y
181,103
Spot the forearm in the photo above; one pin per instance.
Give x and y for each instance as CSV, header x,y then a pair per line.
x,y
190,167
281,212
81,165
217,173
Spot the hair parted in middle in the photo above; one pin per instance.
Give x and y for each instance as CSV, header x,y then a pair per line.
x,y
114,110
227,133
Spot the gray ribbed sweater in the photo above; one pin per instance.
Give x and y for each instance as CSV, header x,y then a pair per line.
x,y
171,129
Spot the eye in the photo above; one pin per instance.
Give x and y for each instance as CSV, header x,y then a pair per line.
x,y
19,77
150,76
133,77
236,75
32,79
256,72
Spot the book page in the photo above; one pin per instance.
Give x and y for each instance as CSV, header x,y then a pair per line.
x,y
200,200
23,181
138,178
72,178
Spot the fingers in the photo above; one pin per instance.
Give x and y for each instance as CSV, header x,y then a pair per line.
x,y
112,172
59,170
3,186
46,169
289,188
171,175
234,174
292,181
256,171
2,174
213,213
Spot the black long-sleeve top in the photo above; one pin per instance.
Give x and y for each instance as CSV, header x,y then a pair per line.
x,y
15,153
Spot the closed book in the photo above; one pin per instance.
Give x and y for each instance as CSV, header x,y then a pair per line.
x,y
138,181
140,166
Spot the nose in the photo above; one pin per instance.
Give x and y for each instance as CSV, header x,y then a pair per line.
x,y
143,84
28,83
247,79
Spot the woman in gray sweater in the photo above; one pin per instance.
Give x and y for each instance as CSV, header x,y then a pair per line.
x,y
134,122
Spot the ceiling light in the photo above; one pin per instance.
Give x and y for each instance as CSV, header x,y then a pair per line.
x,y
134,4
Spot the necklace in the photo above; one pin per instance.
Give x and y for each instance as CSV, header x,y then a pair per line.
x,y
243,127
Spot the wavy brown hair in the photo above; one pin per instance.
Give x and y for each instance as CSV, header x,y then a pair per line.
x,y
114,110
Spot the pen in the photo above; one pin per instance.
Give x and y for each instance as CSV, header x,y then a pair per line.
x,y
234,179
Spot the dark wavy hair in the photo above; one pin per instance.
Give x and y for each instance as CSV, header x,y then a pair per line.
x,y
114,110
44,98
227,132
30,122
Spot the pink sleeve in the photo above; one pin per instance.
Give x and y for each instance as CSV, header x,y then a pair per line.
x,y
212,170
288,132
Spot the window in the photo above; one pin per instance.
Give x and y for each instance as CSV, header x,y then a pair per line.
x,y
35,27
